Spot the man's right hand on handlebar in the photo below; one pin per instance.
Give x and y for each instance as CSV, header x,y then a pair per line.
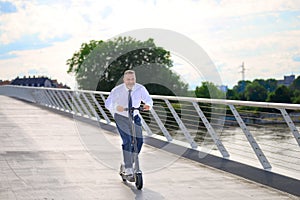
x,y
146,107
120,108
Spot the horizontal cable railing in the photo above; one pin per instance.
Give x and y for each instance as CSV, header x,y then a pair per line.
x,y
256,133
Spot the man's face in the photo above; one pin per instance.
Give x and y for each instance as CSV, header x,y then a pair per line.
x,y
129,80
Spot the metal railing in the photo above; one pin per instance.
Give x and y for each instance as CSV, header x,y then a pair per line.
x,y
252,132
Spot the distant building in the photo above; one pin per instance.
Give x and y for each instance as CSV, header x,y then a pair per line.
x,y
287,81
33,82
6,82
37,82
59,85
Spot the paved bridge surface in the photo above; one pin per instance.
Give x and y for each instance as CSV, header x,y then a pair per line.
x,y
45,155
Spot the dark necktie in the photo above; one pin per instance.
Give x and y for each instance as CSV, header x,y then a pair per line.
x,y
130,112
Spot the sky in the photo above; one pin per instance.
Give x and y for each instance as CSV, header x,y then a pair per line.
x,y
38,36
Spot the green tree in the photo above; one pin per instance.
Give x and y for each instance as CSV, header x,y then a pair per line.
x,y
296,97
255,92
80,56
280,95
209,90
240,89
232,94
269,84
100,65
295,90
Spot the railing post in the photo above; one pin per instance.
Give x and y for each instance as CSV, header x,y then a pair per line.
x,y
71,105
259,153
161,125
64,101
100,108
145,125
60,105
77,93
291,125
91,107
52,99
37,96
53,96
182,126
103,99
48,102
77,107
211,131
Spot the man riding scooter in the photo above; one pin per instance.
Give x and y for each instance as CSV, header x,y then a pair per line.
x,y
121,100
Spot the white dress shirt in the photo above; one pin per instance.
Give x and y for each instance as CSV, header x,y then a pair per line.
x,y
119,97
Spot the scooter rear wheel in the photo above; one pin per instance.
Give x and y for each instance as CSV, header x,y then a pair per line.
x,y
139,181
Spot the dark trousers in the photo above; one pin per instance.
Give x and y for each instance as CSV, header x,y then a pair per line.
x,y
124,125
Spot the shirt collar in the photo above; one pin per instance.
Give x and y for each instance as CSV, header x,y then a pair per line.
x,y
128,89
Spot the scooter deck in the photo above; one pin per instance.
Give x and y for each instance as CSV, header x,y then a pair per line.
x,y
128,178
125,177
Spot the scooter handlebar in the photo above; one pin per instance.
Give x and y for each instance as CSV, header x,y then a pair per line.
x,y
141,108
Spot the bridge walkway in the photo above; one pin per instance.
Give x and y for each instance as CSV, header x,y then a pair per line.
x,y
46,155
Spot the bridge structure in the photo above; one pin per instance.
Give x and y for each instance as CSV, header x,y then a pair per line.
x,y
63,144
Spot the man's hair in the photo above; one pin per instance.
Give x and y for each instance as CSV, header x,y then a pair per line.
x,y
129,72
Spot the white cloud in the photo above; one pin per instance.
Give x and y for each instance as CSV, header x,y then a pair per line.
x,y
46,21
266,55
78,17
50,60
222,29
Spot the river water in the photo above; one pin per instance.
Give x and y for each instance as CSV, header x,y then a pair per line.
x,y
276,141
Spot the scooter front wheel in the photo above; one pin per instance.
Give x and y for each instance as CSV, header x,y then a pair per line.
x,y
139,181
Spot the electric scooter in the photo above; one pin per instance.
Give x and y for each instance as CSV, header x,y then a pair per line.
x,y
137,176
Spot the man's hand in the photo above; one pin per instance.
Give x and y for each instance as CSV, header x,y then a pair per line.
x,y
146,107
120,108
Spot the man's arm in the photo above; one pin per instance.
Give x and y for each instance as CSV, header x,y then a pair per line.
x,y
146,99
110,103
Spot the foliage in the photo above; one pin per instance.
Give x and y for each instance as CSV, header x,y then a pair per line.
x,y
270,84
280,95
232,94
80,56
100,65
240,89
265,90
209,90
255,92
296,97
295,90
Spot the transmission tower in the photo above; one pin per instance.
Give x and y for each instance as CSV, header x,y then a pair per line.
x,y
243,71
243,77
